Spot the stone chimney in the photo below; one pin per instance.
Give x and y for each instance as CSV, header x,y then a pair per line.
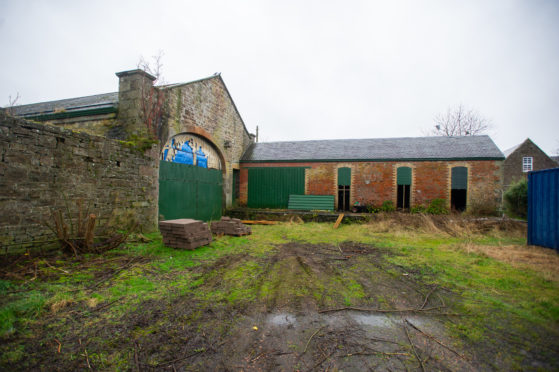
x,y
133,86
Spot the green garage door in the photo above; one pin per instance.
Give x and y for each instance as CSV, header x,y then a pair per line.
x,y
187,191
271,187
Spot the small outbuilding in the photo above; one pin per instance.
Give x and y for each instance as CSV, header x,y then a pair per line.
x,y
524,158
464,171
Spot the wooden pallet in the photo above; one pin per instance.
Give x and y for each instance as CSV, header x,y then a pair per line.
x,y
261,222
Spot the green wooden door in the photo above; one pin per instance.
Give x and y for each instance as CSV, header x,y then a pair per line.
x,y
187,191
271,187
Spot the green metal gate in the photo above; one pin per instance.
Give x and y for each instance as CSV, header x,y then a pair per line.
x,y
271,187
187,191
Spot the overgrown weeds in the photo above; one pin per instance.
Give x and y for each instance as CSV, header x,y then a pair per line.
x,y
78,232
147,306
454,225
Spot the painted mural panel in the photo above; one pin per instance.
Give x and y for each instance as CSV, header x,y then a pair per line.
x,y
191,149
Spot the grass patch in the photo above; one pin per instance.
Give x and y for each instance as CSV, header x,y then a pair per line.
x,y
146,291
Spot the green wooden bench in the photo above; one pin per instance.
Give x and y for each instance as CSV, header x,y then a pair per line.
x,y
311,202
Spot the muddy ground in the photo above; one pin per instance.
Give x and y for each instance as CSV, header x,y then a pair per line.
x,y
299,313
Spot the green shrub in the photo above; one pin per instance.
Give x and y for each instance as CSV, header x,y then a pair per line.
x,y
516,199
387,206
437,206
418,209
372,209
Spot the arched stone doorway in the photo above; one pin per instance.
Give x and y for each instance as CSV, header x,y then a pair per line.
x,y
190,178
186,144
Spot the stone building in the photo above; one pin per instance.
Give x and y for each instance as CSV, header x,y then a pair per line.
x,y
198,123
407,171
198,116
522,159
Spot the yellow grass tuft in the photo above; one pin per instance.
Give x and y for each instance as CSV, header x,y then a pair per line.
x,y
92,302
58,305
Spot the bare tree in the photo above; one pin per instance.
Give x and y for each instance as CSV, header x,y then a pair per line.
x,y
153,98
11,103
460,121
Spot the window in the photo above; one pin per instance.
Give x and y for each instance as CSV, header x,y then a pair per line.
x,y
527,164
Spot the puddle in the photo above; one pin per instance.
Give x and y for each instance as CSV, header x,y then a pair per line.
x,y
281,319
373,320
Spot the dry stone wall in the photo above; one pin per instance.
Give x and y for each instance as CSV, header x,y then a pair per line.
x,y
44,167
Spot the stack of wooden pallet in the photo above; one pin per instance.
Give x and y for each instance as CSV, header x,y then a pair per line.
x,y
185,233
230,226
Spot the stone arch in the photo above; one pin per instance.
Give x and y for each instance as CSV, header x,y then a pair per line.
x,y
195,140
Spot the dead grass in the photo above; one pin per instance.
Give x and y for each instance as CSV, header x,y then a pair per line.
x,y
542,260
58,305
92,302
446,225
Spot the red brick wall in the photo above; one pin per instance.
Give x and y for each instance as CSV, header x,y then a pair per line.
x,y
372,183
431,180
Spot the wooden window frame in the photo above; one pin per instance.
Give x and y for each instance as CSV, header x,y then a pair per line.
x,y
527,164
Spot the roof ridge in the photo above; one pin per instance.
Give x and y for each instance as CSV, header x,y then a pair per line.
x,y
376,138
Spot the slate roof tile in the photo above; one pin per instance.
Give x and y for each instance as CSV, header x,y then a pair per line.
x,y
410,148
71,104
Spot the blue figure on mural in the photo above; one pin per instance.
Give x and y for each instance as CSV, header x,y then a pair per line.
x,y
201,158
184,155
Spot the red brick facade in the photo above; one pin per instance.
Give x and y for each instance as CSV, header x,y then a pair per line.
x,y
372,183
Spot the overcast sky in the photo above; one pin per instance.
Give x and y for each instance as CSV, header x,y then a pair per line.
x,y
304,70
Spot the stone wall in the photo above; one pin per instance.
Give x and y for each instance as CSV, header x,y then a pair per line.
x,y
97,125
372,183
205,108
43,166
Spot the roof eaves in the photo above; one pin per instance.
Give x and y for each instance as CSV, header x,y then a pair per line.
x,y
70,113
73,109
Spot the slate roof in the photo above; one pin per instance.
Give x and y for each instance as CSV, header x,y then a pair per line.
x,y
376,149
98,101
